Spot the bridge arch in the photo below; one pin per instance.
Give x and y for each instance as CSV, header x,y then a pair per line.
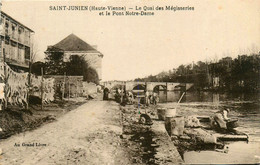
x,y
114,84
117,86
152,85
130,85
139,87
160,87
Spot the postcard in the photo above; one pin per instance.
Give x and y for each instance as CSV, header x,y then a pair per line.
x,y
129,82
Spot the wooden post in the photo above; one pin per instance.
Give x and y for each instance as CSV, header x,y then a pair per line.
x,y
5,79
181,98
69,89
77,88
29,85
166,92
29,79
42,89
63,85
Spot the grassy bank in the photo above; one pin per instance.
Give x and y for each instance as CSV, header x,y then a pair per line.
x,y
15,120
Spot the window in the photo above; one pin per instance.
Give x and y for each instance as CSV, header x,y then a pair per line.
x,y
19,34
6,28
13,31
26,37
27,53
1,25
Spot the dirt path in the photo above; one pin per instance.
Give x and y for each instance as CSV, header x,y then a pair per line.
x,y
89,134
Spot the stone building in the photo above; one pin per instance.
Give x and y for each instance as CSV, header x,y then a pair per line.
x,y
73,45
15,42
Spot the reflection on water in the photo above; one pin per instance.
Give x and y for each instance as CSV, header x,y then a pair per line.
x,y
245,107
233,153
173,96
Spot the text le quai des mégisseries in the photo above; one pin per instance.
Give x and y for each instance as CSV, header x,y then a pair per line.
x,y
123,10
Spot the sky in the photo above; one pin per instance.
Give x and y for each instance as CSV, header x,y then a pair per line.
x,y
138,46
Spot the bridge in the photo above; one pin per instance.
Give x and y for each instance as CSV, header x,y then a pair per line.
x,y
149,86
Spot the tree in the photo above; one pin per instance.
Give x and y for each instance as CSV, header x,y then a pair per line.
x,y
76,65
34,52
32,56
246,69
181,70
54,61
90,75
36,67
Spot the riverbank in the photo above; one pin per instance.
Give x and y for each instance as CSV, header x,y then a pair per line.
x,y
224,152
102,132
90,134
148,141
14,119
97,132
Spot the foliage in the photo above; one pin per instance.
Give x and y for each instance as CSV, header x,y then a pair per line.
x,y
239,74
54,61
36,67
75,66
90,75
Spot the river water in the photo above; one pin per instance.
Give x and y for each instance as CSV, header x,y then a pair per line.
x,y
245,107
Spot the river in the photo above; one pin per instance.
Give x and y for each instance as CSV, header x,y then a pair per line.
x,y
245,107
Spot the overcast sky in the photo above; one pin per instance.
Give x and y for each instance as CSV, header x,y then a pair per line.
x,y
139,46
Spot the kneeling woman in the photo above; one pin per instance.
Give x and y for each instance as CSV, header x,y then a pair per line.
x,y
221,118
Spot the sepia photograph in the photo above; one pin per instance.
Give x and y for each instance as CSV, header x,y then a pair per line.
x,y
115,82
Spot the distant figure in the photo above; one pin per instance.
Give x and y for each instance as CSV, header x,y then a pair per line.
x,y
147,98
155,98
130,97
59,90
105,94
221,118
118,95
119,90
122,96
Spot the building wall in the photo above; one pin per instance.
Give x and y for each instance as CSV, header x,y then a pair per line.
x,y
16,40
73,85
93,59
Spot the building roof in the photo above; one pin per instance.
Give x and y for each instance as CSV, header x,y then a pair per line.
x,y
16,21
74,43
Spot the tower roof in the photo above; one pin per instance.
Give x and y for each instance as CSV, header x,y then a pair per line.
x,y
74,43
